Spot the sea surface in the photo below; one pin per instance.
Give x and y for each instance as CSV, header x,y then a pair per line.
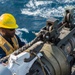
x,y
31,15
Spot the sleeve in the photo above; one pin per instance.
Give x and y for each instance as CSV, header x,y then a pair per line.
x,y
2,53
21,43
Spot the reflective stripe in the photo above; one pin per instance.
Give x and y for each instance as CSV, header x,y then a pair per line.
x,y
6,46
15,42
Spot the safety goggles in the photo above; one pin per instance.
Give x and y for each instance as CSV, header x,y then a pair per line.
x,y
11,29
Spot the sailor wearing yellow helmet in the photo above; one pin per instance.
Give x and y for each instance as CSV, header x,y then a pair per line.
x,y
9,41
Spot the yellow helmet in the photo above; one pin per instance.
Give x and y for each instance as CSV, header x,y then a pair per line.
x,y
8,21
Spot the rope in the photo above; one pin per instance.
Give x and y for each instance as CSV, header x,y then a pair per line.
x,y
40,63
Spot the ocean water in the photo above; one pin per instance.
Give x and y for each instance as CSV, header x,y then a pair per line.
x,y
31,15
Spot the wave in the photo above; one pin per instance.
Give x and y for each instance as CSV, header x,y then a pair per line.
x,y
65,1
20,31
45,9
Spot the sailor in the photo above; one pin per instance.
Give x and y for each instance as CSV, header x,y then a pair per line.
x,y
9,41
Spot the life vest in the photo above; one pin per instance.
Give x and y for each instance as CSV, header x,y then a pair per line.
x,y
7,47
